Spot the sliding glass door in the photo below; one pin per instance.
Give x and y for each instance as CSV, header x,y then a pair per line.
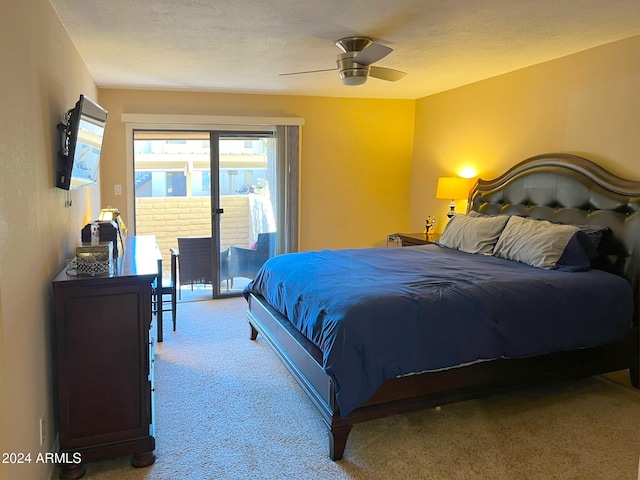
x,y
215,185
245,214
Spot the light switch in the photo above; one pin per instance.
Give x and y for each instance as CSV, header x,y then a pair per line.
x,y
117,189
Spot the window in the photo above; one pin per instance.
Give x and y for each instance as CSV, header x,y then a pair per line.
x,y
160,184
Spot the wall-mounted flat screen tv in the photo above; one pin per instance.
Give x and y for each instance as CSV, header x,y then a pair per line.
x,y
81,137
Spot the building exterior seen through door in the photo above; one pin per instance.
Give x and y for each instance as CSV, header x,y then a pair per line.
x,y
221,186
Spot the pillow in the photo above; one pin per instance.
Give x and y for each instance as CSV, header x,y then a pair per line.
x,y
576,255
473,213
595,234
602,245
538,243
472,234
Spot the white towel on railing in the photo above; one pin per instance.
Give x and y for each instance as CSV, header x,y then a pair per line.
x,y
261,217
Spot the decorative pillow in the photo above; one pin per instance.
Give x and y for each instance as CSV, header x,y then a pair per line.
x,y
595,234
538,243
576,256
600,239
472,234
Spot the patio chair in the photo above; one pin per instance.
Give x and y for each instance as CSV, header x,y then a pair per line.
x,y
164,294
194,263
245,262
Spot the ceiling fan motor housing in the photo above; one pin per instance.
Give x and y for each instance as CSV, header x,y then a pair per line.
x,y
353,44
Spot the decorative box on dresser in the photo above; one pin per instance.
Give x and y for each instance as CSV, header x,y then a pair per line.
x,y
103,361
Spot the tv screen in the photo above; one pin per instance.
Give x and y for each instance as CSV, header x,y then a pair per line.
x,y
81,144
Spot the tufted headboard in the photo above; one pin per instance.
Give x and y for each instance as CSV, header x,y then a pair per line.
x,y
568,189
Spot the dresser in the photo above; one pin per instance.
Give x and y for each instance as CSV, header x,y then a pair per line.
x,y
103,361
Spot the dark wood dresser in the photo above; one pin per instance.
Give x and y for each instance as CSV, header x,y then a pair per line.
x,y
103,361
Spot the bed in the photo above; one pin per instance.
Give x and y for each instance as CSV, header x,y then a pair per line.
x,y
369,333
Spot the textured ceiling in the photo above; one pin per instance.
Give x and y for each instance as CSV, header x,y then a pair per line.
x,y
242,45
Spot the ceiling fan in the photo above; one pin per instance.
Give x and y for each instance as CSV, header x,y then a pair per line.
x,y
354,65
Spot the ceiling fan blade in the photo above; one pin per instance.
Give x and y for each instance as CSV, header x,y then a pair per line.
x,y
372,54
388,74
308,71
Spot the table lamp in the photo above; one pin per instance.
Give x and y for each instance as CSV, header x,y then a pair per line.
x,y
453,188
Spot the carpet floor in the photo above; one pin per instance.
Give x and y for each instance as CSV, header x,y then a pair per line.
x,y
226,408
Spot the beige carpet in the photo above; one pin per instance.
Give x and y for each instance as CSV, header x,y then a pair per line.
x,y
226,408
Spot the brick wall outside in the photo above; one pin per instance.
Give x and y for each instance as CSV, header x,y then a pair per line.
x,y
171,217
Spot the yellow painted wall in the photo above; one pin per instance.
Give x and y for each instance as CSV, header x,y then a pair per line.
x,y
355,160
42,77
587,103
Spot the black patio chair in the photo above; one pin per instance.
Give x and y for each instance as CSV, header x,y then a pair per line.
x,y
194,263
245,262
163,294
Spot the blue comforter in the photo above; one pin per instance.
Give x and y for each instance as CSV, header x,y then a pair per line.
x,y
383,312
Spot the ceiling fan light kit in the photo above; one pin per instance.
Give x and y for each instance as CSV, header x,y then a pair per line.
x,y
354,64
353,77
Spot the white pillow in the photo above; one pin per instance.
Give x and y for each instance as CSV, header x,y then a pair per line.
x,y
535,242
473,234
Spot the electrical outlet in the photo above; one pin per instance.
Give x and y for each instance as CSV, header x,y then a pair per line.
x,y
117,189
42,431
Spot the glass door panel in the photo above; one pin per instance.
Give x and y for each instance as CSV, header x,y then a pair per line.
x,y
247,195
172,172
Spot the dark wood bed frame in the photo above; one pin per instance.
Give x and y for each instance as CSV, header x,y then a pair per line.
x,y
562,188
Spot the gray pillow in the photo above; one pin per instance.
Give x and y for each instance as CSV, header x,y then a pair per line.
x,y
472,234
535,242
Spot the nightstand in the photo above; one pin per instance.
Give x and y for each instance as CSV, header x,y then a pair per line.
x,y
413,239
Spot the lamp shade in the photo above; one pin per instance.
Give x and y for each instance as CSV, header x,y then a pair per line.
x,y
452,188
106,215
